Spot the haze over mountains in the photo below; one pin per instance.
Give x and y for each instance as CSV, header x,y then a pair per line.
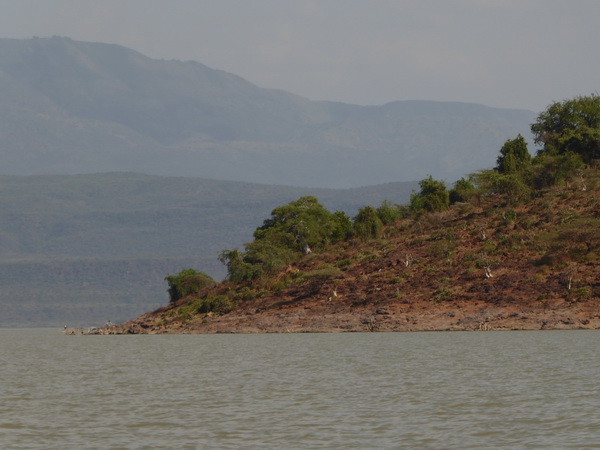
x,y
78,107
83,249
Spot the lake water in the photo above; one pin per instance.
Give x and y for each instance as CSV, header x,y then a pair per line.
x,y
390,390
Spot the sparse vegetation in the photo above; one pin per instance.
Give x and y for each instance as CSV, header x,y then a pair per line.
x,y
518,242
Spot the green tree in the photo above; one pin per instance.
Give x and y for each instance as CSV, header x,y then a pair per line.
x,y
293,229
514,156
388,212
463,191
367,224
549,170
187,282
511,185
298,225
237,268
570,126
433,196
343,226
268,255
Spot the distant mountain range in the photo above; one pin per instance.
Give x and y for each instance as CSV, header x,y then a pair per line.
x,y
81,245
75,107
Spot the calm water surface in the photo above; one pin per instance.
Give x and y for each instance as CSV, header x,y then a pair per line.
x,y
393,390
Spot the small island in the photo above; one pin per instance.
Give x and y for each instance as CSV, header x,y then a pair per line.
x,y
516,247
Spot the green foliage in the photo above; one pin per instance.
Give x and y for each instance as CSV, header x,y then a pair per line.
x,y
463,191
512,185
216,304
512,175
581,293
514,156
342,227
570,126
549,170
367,224
237,268
187,282
433,196
267,256
576,240
388,212
219,304
304,222
580,232
444,246
443,294
293,229
570,134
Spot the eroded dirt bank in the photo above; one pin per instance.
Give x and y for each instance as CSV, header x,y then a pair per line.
x,y
331,317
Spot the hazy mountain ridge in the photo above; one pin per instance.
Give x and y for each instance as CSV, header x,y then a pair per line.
x,y
78,107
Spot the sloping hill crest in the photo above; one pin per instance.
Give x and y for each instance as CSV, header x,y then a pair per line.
x,y
487,265
79,107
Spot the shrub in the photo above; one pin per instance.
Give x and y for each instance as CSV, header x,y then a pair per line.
x,y
388,213
514,156
293,229
342,227
512,185
464,190
367,224
433,196
187,282
237,268
549,170
443,294
219,304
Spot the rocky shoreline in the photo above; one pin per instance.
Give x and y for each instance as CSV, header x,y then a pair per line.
x,y
391,317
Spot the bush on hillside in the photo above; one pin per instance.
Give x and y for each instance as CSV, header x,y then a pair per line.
x,y
187,282
433,196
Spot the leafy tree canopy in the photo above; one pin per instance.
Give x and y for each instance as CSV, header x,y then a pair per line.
x,y
570,126
514,156
367,224
301,223
433,196
293,229
186,282
463,190
388,212
512,185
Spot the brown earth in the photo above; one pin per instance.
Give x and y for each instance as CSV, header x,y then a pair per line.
x,y
486,265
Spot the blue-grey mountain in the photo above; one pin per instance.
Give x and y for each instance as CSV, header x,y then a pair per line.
x,y
78,107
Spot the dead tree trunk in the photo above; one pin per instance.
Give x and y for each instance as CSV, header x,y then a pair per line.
x,y
488,271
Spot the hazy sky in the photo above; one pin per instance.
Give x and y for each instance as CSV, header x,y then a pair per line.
x,y
506,53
